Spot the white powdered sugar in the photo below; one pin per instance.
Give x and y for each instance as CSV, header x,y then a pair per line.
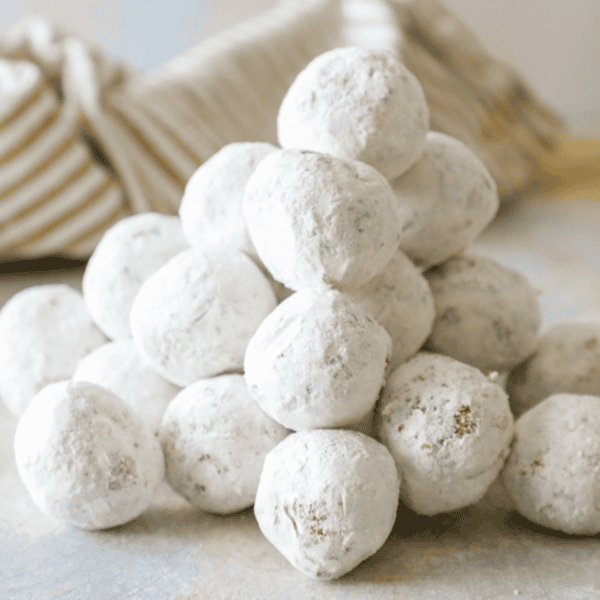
x,y
45,331
553,471
128,253
487,315
215,439
357,103
327,500
118,367
449,430
211,207
85,457
316,219
400,300
448,198
194,317
567,359
317,361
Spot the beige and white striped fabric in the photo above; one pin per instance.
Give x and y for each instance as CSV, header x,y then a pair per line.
x,y
226,90
86,140
473,96
52,193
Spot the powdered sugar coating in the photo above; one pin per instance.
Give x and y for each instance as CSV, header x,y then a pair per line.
x,y
400,300
45,331
85,457
448,198
215,439
357,103
448,428
487,315
553,471
194,317
567,359
316,219
327,500
281,292
128,253
211,207
317,361
118,367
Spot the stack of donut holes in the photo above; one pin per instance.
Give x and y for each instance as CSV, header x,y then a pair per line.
x,y
311,336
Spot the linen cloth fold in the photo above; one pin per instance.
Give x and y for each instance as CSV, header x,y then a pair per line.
x,y
86,140
54,196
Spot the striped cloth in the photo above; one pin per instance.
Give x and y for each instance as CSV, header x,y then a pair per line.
x,y
226,90
85,141
53,195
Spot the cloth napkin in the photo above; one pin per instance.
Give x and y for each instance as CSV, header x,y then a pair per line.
x,y
86,140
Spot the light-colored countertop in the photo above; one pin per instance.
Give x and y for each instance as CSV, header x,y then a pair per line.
x,y
173,551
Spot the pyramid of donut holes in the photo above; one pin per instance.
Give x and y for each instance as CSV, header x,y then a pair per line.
x,y
311,335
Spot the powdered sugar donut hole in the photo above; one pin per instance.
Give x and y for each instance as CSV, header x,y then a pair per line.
x,y
194,317
44,331
487,315
449,430
317,361
215,439
400,300
567,360
327,500
357,103
316,219
211,207
552,471
118,367
450,198
128,253
86,457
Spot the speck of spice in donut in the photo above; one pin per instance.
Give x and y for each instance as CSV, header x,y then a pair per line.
x,y
464,421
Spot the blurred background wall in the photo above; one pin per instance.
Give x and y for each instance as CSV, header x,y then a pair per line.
x,y
555,44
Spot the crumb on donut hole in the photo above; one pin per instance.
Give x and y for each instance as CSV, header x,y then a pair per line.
x,y
211,207
552,472
86,457
327,500
357,103
400,300
128,253
448,428
194,317
215,439
567,360
316,219
487,315
449,198
44,331
317,361
119,367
